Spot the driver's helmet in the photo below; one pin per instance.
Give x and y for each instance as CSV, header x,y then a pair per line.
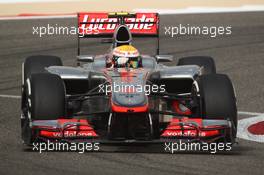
x,y
126,56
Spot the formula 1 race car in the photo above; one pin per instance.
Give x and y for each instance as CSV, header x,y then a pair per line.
x,y
123,96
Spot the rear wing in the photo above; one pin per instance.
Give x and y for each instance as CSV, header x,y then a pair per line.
x,y
96,25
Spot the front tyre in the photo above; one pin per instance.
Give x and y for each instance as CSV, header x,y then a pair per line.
x,y
217,99
37,64
45,100
33,65
206,62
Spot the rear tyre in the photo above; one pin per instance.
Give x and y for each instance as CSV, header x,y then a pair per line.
x,y
218,99
203,61
45,100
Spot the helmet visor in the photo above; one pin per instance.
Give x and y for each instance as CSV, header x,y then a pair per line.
x,y
133,61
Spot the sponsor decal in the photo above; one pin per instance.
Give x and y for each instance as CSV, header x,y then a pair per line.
x,y
189,133
99,23
83,130
68,134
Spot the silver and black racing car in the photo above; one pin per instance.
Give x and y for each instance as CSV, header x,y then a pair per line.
x,y
123,96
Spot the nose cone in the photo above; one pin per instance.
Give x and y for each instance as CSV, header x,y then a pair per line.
x,y
135,99
128,89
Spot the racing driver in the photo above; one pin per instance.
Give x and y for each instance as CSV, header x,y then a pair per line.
x,y
124,56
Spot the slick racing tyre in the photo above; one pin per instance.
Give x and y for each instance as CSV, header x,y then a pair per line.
x,y
47,96
203,61
217,98
45,100
37,64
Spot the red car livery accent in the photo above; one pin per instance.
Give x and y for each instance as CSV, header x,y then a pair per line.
x,y
122,109
66,128
177,108
184,128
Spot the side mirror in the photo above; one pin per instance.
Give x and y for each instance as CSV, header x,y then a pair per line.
x,y
85,58
164,58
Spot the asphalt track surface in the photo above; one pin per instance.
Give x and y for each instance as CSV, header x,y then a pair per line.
x,y
240,55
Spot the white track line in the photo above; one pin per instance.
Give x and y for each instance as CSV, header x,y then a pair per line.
x,y
29,1
10,96
37,17
194,10
249,113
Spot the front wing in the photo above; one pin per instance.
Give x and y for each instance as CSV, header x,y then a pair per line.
x,y
179,128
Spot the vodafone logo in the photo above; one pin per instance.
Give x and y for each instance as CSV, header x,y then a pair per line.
x,y
73,134
187,133
180,133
